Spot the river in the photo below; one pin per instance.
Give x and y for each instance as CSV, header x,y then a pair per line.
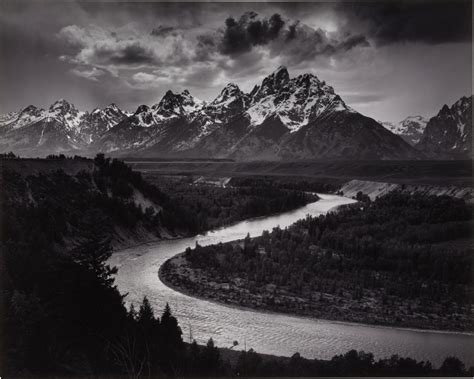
x,y
265,332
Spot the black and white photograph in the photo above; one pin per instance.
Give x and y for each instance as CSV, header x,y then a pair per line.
x,y
236,189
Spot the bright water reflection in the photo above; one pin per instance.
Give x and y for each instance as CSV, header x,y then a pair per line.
x,y
266,332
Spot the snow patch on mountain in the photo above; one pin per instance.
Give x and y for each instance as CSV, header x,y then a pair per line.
x,y
410,129
296,102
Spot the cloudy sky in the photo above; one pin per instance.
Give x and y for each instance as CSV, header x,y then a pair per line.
x,y
386,60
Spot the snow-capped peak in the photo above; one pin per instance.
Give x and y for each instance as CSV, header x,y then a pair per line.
x,y
142,108
66,113
190,103
463,103
229,95
25,116
296,102
31,109
272,83
172,105
114,107
410,129
281,71
169,105
61,104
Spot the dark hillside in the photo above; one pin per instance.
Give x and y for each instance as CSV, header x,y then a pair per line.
x,y
65,199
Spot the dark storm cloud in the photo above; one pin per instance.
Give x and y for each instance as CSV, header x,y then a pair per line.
x,y
132,54
353,41
96,46
162,31
431,23
292,31
340,47
286,38
239,36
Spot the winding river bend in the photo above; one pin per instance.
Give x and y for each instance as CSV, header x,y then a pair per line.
x,y
268,332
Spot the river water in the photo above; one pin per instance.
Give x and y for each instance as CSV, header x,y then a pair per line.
x,y
265,332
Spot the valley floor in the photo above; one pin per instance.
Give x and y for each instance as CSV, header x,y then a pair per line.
x,y
414,172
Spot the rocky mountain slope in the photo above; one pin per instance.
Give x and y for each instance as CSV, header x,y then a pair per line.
x,y
61,128
410,129
297,118
449,133
281,118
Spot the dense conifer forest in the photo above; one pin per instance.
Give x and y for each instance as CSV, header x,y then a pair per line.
x,y
62,314
210,206
399,260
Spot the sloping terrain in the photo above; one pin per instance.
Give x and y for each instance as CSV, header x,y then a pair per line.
x,y
78,199
410,129
376,189
449,133
282,118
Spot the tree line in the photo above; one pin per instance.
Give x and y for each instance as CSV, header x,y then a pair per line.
x,y
62,315
210,206
396,250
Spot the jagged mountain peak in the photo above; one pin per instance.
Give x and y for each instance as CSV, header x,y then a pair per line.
x,y
189,102
281,72
449,133
296,102
31,109
464,101
112,106
279,77
312,82
231,88
175,104
411,128
272,83
142,108
169,94
168,100
307,78
229,93
444,110
299,117
61,104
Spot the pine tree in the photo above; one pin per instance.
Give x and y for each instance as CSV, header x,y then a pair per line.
x,y
210,358
170,329
145,313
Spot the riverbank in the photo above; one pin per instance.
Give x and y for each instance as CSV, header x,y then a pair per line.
x,y
178,275
286,272
271,333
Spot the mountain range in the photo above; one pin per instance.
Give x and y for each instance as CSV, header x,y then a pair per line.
x,y
410,129
59,129
449,133
281,118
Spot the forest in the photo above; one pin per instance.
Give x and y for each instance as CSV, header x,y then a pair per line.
x,y
402,260
209,206
63,316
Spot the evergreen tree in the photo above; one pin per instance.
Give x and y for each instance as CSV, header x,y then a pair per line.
x,y
145,313
210,358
